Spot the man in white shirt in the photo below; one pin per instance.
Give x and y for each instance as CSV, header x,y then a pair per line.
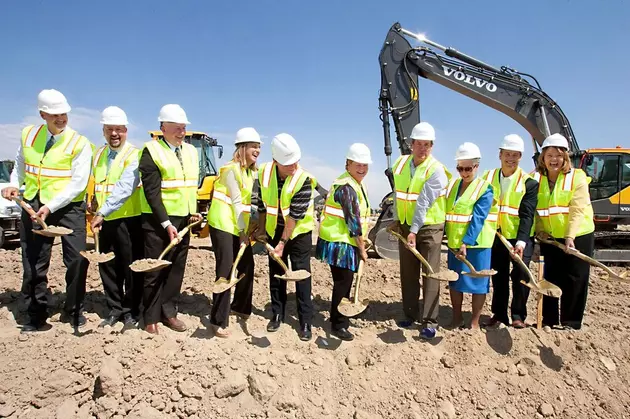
x,y
53,162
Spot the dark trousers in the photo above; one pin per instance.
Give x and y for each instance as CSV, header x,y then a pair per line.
x,y
122,286
36,252
299,250
571,275
161,288
342,283
225,247
429,244
501,261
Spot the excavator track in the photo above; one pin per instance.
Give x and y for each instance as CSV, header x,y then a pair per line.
x,y
612,246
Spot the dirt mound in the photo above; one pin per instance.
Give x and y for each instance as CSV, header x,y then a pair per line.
x,y
386,372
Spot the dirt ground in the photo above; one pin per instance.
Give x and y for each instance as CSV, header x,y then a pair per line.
x,y
386,372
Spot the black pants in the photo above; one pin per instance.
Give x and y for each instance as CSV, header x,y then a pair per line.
x,y
36,252
225,246
299,250
342,283
571,275
122,286
161,288
501,261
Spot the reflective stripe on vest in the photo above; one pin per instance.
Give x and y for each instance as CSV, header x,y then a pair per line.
x,y
49,174
221,214
333,227
267,176
553,206
179,184
459,213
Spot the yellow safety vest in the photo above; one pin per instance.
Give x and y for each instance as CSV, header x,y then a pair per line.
x,y
221,215
179,184
269,194
459,214
51,173
553,206
333,227
104,181
509,220
408,189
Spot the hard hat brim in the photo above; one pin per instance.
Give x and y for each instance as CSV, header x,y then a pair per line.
x,y
62,110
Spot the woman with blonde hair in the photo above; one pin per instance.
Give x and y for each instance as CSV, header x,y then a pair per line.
x,y
228,218
564,213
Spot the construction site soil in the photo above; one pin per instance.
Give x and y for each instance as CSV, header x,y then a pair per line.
x,y
386,372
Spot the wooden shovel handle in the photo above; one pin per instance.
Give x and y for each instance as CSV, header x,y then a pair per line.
x,y
177,239
415,252
466,262
275,257
359,276
30,212
96,244
517,258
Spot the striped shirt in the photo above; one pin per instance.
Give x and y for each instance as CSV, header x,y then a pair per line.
x,y
299,203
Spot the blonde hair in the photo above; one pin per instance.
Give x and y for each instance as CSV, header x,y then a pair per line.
x,y
239,157
566,165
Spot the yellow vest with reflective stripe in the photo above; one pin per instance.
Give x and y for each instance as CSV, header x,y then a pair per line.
x,y
179,185
459,214
269,194
221,215
553,207
333,227
51,173
105,181
509,220
408,189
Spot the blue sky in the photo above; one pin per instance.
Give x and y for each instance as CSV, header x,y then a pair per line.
x,y
307,68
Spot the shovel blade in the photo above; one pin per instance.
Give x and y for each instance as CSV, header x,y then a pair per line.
x,y
351,309
294,276
480,274
544,288
53,231
149,265
444,276
94,257
222,284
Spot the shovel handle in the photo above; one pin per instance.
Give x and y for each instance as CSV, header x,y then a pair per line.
x,y
517,258
273,255
177,239
414,251
96,244
359,276
30,212
466,262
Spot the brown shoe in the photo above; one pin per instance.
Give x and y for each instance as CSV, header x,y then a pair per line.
x,y
152,328
175,324
518,324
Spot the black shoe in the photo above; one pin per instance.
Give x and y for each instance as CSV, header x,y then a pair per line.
x,y
69,318
305,332
343,334
274,323
109,321
129,321
36,326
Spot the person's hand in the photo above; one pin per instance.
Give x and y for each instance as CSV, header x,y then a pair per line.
x,y
42,213
194,218
97,222
9,192
543,235
569,245
279,249
172,232
462,252
411,240
363,255
518,250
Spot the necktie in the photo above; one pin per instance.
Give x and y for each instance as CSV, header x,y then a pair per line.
x,y
49,144
178,153
110,158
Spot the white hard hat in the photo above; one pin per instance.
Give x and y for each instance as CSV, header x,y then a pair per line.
x,y
113,115
173,113
53,102
556,140
285,150
247,135
423,131
359,153
512,142
467,151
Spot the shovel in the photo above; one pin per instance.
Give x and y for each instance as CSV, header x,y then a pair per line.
x,y
95,256
473,272
354,307
589,260
445,276
222,284
152,265
543,286
46,230
289,275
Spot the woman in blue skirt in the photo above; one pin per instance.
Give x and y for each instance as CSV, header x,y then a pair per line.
x,y
471,224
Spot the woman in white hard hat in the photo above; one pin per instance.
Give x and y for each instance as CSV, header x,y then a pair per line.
x,y
564,214
343,231
471,224
228,218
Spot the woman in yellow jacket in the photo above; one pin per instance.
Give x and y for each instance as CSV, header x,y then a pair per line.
x,y
228,218
564,213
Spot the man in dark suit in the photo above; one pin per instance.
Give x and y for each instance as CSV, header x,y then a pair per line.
x,y
169,170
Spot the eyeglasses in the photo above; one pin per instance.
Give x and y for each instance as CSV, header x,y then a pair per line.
x,y
465,169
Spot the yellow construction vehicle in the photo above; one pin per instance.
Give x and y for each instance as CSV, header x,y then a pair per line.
x,y
208,171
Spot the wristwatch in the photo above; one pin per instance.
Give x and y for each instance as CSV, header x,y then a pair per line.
x,y
283,241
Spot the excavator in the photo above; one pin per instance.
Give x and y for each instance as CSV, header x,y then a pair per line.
x,y
515,94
